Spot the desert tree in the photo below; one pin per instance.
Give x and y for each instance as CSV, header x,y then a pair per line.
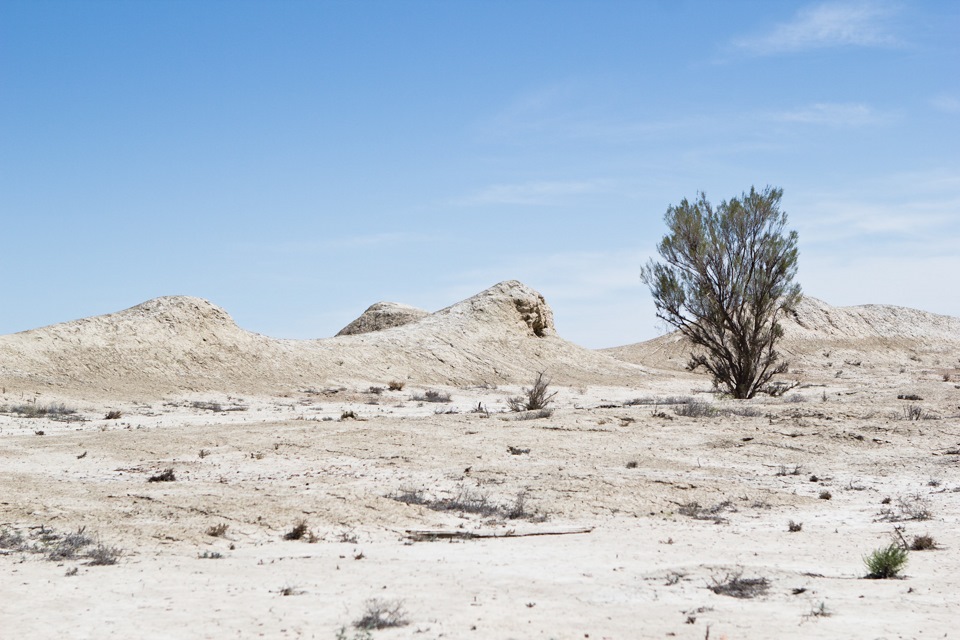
x,y
725,282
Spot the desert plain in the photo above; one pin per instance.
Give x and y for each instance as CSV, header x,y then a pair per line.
x,y
167,474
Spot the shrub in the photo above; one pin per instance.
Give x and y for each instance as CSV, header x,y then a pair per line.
x,y
793,527
382,614
923,543
300,531
431,395
218,530
166,475
113,415
535,398
735,585
695,409
886,562
395,385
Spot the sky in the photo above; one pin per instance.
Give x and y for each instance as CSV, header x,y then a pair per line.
x,y
295,162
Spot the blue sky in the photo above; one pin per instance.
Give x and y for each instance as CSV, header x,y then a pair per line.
x,y
295,162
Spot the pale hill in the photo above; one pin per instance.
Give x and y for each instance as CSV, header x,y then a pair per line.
x,y
818,333
175,344
383,315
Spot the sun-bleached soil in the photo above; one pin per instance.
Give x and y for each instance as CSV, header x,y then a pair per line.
x,y
611,517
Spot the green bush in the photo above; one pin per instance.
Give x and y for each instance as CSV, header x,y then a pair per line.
x,y
886,562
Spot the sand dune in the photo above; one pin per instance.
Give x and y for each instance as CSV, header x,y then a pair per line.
x,y
175,344
817,334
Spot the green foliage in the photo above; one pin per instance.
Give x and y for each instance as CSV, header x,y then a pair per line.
x,y
886,562
725,281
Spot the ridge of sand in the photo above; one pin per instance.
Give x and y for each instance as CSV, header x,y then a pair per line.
x,y
504,334
875,334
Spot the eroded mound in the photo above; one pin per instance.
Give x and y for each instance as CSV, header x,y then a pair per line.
x,y
383,315
502,335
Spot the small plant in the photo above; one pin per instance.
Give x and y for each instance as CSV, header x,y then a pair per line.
x,y
166,475
518,451
203,453
290,590
535,415
218,530
65,547
300,531
103,555
382,614
431,395
787,471
535,398
347,415
697,512
113,415
886,562
695,409
914,507
913,412
819,611
923,543
632,464
736,586
375,390
210,555
395,385
793,527
825,495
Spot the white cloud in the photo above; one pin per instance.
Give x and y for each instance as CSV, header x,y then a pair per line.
x,y
533,193
834,115
862,24
947,104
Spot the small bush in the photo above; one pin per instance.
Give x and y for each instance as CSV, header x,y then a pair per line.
x,y
632,464
535,415
793,527
923,543
300,531
382,614
218,530
535,398
886,562
825,495
695,409
395,385
166,475
787,471
736,586
430,395
698,512
210,555
66,547
103,555
913,412
347,415
113,415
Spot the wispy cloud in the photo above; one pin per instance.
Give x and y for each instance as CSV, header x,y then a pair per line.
x,y
835,115
386,239
533,193
947,104
860,24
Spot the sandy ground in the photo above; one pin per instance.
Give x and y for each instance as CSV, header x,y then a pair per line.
x,y
628,473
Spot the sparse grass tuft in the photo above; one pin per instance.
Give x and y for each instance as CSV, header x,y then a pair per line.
x,y
300,531
886,562
210,555
825,495
468,501
103,555
697,512
914,507
793,527
382,614
218,530
696,409
395,385
736,586
166,475
113,415
431,395
923,543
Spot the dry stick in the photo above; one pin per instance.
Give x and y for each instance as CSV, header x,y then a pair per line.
x,y
510,533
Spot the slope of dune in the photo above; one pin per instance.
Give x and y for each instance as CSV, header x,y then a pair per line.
x,y
174,344
817,333
383,315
